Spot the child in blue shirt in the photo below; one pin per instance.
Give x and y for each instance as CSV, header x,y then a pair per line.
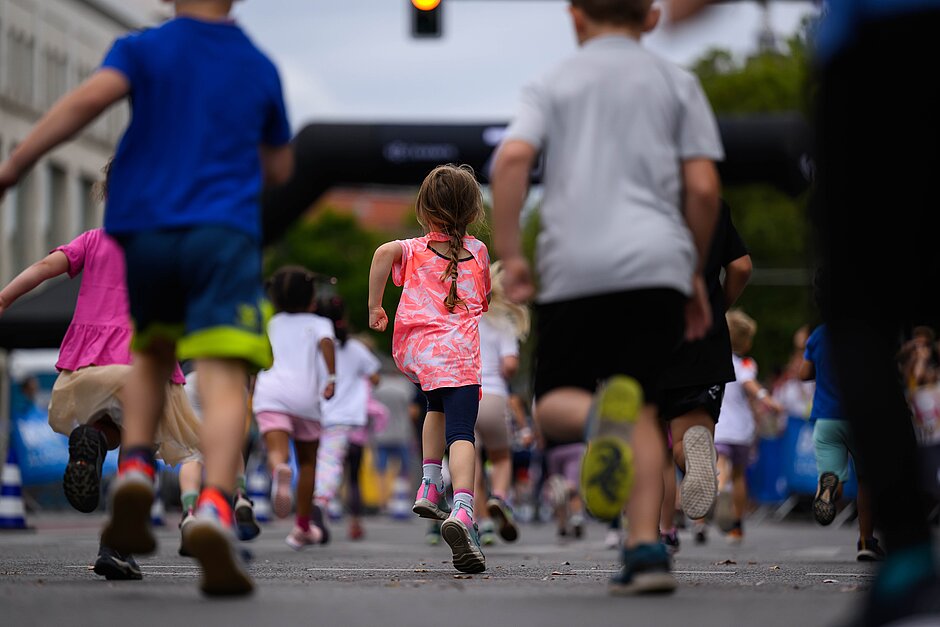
x,y
208,129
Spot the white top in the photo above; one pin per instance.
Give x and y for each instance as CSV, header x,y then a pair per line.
x,y
354,363
192,393
496,342
294,384
736,420
614,123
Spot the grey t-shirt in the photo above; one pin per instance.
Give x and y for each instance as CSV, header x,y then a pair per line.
x,y
396,393
614,123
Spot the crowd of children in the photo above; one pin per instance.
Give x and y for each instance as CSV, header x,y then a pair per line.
x,y
670,389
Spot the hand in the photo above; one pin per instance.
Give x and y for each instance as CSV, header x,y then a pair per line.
x,y
9,176
329,391
378,319
517,280
698,311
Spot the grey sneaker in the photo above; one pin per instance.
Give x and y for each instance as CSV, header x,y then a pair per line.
x,y
115,566
646,569
700,485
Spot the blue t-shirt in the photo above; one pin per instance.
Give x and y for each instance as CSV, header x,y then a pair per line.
x,y
826,398
203,100
843,18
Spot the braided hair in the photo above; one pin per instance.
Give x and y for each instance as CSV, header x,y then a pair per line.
x,y
449,201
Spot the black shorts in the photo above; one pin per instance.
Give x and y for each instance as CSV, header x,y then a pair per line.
x,y
680,401
584,341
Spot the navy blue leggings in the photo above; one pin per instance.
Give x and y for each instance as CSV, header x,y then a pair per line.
x,y
460,407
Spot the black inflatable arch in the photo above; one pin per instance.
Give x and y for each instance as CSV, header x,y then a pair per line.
x,y
769,148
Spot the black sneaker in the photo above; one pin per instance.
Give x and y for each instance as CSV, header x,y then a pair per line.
x,y
317,518
869,550
670,540
502,516
646,570
82,478
700,533
246,525
824,505
115,566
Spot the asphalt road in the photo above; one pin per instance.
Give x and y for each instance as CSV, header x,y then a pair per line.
x,y
792,573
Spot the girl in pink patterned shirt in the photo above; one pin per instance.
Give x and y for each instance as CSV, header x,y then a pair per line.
x,y
436,342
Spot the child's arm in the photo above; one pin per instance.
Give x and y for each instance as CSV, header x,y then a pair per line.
x,y
759,394
328,350
277,164
510,185
66,117
807,370
53,265
737,274
385,256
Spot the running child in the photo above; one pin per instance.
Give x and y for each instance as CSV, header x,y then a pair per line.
x,y
631,195
207,129
736,430
94,365
501,329
345,416
287,397
436,341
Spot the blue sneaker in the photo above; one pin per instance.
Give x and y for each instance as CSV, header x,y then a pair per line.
x,y
646,570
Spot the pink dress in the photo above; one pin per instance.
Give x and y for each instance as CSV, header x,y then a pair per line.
x,y
100,331
434,347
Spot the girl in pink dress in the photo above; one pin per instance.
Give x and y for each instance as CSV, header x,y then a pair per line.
x,y
94,363
436,341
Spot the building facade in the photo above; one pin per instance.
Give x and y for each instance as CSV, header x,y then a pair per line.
x,y
47,47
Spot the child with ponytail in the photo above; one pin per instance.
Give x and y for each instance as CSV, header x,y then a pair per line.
x,y
436,341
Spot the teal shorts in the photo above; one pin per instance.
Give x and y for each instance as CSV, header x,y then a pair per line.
x,y
834,443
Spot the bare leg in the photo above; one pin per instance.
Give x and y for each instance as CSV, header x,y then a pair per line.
x,y
562,414
222,388
500,473
649,457
678,426
462,463
432,438
144,393
277,444
740,492
306,475
190,477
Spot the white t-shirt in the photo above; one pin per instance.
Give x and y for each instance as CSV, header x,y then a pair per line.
x,y
192,393
496,342
614,122
736,420
354,363
294,384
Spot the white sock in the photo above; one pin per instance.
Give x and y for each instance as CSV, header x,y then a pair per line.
x,y
465,498
432,472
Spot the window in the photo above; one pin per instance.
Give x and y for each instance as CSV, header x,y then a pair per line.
x,y
21,66
56,83
58,226
91,208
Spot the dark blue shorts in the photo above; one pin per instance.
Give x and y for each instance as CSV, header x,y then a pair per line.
x,y
460,407
201,288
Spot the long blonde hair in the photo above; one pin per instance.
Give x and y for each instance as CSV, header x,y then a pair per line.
x,y
450,199
502,312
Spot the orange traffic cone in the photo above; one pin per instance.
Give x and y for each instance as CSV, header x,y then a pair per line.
x,y
12,511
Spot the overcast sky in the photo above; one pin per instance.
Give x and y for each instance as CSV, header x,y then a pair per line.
x,y
355,59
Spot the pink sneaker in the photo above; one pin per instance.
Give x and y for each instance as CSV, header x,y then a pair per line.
x,y
429,503
298,538
460,533
281,496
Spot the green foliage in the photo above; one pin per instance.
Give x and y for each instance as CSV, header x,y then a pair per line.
x,y
335,245
773,225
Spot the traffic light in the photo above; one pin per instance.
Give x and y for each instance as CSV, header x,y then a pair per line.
x,y
426,20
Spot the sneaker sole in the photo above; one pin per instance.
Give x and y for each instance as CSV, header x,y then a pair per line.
x,y
868,556
245,524
222,573
648,583
607,466
116,572
825,511
506,527
700,485
467,558
128,530
282,502
430,510
724,511
82,479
